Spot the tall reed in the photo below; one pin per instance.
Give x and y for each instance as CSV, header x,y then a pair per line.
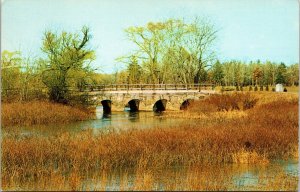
x,y
41,112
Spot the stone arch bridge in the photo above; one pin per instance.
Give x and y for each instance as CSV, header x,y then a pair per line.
x,y
146,97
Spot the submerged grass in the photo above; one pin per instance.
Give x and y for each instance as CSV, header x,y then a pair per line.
x,y
40,112
264,133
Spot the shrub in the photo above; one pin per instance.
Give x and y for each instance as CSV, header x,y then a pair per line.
x,y
261,88
222,89
255,88
284,90
249,102
241,88
267,88
250,88
237,88
273,89
228,89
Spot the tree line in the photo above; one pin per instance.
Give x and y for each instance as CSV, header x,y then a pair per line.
x,y
172,51
231,73
175,51
237,73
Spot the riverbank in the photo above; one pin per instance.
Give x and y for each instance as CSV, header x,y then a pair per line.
x,y
41,112
231,105
260,135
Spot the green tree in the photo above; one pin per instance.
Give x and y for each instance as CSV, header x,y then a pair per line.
x,y
217,73
239,73
293,74
228,68
257,75
269,73
281,74
134,71
66,52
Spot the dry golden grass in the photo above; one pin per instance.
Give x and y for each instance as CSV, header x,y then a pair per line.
x,y
40,112
224,102
294,89
246,157
199,178
232,103
260,135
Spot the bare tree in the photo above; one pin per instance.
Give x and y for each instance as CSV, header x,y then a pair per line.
x,y
11,72
199,43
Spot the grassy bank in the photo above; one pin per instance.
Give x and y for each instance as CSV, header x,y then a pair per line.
x,y
40,112
260,134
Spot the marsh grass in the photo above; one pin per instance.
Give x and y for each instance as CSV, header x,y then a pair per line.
x,y
260,135
41,112
224,102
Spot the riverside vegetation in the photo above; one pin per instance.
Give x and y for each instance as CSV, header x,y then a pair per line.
x,y
227,130
41,112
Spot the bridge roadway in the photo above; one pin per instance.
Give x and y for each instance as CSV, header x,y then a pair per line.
x,y
146,97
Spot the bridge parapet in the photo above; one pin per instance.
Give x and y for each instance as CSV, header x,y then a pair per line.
x,y
120,87
148,97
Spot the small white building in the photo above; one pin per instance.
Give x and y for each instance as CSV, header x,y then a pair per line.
x,y
279,88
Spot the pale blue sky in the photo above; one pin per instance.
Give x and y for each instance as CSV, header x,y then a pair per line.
x,y
248,29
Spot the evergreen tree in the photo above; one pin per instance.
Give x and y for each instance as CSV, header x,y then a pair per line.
x,y
281,74
217,73
134,71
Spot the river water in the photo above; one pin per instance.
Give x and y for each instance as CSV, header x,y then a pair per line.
x,y
101,123
275,176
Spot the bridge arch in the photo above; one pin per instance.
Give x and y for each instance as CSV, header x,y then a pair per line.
x,y
160,105
106,106
133,104
184,105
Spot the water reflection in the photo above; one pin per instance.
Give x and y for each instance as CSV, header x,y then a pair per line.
x,y
291,167
106,116
158,113
103,122
133,116
215,177
245,179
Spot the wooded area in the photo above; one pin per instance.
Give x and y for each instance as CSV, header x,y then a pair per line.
x,y
167,52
